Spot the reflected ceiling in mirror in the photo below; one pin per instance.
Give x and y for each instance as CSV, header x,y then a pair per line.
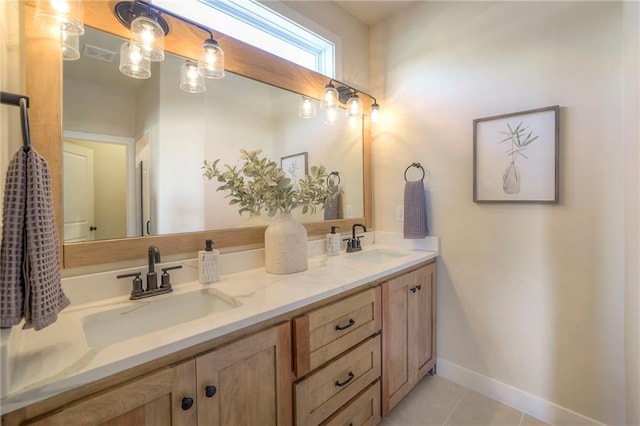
x,y
148,140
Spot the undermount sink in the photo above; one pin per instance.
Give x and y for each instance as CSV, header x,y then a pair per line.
x,y
376,255
142,317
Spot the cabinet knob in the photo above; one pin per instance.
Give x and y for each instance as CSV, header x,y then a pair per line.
x,y
413,289
210,391
344,327
419,287
187,403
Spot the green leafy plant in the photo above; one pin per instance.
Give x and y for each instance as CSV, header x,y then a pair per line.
x,y
520,139
259,183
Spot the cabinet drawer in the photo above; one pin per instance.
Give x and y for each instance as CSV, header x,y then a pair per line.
x,y
327,390
328,331
363,410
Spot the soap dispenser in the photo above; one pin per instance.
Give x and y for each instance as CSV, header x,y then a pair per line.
x,y
333,242
208,270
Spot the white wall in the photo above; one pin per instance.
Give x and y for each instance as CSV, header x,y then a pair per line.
x,y
531,296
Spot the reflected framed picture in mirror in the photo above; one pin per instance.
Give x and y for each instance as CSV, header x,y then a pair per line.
x,y
295,166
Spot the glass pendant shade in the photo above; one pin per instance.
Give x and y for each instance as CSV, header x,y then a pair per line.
x,y
211,62
69,13
354,106
331,116
375,113
190,79
146,32
330,97
306,108
70,45
134,62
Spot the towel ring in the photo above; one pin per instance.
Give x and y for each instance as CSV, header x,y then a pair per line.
x,y
336,174
416,165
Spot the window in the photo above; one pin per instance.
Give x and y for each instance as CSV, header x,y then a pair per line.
x,y
261,27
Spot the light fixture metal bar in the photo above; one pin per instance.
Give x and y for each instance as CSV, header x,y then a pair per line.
x,y
344,95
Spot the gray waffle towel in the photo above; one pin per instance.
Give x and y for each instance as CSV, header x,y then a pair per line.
x,y
333,208
415,210
30,284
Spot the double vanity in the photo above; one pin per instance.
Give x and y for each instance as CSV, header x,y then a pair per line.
x,y
339,343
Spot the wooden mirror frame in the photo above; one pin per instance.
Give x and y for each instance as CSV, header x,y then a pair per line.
x,y
44,84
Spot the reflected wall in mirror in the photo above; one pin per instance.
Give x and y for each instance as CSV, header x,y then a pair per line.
x,y
133,149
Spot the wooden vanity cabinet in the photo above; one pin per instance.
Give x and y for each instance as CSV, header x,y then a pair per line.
x,y
338,360
157,399
408,332
247,382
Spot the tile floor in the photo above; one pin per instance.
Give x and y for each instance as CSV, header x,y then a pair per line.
x,y
436,401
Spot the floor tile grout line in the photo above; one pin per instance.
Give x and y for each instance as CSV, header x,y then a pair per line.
x,y
455,406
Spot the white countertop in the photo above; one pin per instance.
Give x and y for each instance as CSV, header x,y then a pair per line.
x,y
56,359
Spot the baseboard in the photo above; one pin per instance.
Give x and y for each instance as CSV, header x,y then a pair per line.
x,y
517,398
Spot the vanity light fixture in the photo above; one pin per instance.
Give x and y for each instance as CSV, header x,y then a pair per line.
x,y
67,14
349,96
190,79
211,63
148,29
306,107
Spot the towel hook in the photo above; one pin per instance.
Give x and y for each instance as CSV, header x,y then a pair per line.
x,y
336,174
416,165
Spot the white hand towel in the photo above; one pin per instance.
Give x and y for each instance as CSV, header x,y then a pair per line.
x,y
30,283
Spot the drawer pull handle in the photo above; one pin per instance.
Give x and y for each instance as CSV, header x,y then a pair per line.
x,y
340,384
210,390
344,327
187,403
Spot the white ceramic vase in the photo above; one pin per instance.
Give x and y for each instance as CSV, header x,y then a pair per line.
x,y
285,246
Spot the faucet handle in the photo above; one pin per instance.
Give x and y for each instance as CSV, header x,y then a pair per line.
x,y
166,278
136,289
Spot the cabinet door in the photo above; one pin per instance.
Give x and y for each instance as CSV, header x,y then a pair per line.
x,y
247,382
158,399
423,316
396,375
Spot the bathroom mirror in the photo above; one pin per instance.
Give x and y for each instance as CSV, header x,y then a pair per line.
x,y
44,86
134,148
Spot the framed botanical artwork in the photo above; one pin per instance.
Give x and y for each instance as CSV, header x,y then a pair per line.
x,y
295,166
515,157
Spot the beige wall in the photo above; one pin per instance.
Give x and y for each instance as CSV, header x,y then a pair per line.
x,y
531,296
331,21
631,135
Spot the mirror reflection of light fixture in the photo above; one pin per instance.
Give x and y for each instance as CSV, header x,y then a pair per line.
x,y
306,107
190,79
69,13
349,96
331,116
134,62
70,45
211,62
